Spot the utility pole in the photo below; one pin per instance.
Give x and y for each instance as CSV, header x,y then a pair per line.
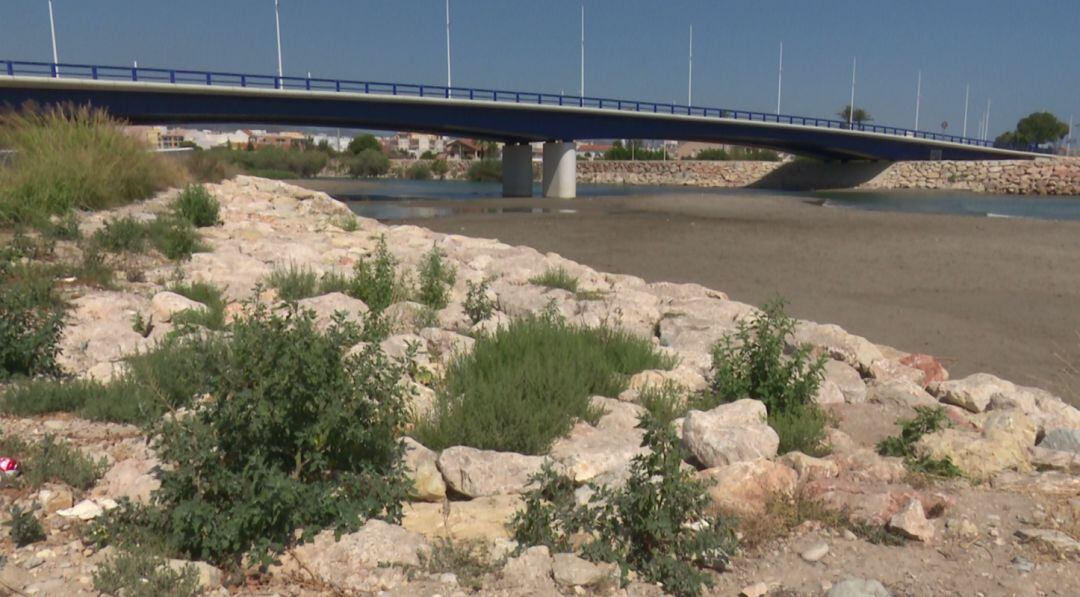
x,y
277,27
918,98
967,95
851,107
582,93
690,80
52,28
449,81
986,130
1068,144
780,79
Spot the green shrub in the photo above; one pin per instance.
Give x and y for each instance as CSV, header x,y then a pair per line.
x,y
213,318
478,305
655,525
927,420
440,168
470,561
436,278
295,282
52,460
124,234
272,162
334,282
206,166
753,365
174,237
299,437
665,402
526,385
138,574
556,277
197,206
31,318
375,279
367,163
25,528
485,171
64,227
91,270
418,171
68,158
348,223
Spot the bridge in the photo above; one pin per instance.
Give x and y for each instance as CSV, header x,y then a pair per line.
x,y
168,96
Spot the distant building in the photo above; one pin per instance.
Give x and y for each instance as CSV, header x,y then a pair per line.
x,y
462,149
284,140
592,151
415,145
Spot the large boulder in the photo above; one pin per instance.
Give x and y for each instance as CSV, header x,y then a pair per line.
x,y
166,304
357,561
1003,444
838,344
1064,440
744,488
485,518
134,478
847,379
588,452
327,305
571,571
422,469
474,473
899,392
972,392
730,433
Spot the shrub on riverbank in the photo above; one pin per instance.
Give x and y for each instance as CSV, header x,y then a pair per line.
x,y
556,277
753,364
197,206
172,235
436,277
737,154
526,385
367,163
31,315
485,170
927,420
272,162
68,158
418,171
52,460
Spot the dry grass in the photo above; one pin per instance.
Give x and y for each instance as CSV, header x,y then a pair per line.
x,y
783,514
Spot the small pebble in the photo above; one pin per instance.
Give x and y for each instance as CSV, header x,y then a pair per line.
x,y
1023,564
815,552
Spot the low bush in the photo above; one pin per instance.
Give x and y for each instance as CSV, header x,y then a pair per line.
x,y
197,206
526,385
65,227
31,317
440,168
418,171
25,527
67,158
119,235
299,437
138,574
174,237
753,364
375,280
478,305
204,166
927,420
213,318
485,171
665,402
556,277
436,277
470,561
280,162
655,525
294,282
52,460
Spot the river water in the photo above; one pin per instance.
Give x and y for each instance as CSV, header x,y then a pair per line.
x,y
401,199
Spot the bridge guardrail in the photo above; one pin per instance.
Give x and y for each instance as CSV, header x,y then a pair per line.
x,y
212,78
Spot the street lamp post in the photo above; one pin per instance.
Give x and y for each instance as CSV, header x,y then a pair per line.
x,y
967,95
851,106
52,29
449,82
918,98
277,28
780,79
690,74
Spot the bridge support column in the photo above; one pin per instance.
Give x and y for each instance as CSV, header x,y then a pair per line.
x,y
517,172
560,169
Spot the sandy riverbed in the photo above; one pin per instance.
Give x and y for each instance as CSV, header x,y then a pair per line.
x,y
982,294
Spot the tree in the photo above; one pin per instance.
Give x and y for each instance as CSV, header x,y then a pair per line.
x,y
861,116
440,168
362,142
1039,128
369,162
427,155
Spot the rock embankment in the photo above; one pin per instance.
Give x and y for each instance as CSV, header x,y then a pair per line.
x,y
1009,527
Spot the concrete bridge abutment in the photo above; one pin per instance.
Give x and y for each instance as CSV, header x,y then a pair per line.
x,y
517,171
560,169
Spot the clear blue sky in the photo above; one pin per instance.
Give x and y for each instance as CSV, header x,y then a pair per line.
x,y
1025,55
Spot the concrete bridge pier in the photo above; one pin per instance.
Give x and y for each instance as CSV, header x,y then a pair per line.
x,y
560,169
517,172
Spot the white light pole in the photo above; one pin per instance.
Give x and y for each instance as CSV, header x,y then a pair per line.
x,y
690,77
1068,144
986,129
52,29
851,106
448,79
582,93
277,28
918,98
780,79
967,95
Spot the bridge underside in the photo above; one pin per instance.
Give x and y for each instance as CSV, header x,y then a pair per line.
x,y
516,123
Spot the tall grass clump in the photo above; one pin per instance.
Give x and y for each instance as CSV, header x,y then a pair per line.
x,y
485,170
73,158
526,385
213,318
294,282
753,364
375,280
52,460
556,277
418,171
927,420
196,205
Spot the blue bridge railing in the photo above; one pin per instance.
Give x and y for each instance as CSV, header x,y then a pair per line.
x,y
215,78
